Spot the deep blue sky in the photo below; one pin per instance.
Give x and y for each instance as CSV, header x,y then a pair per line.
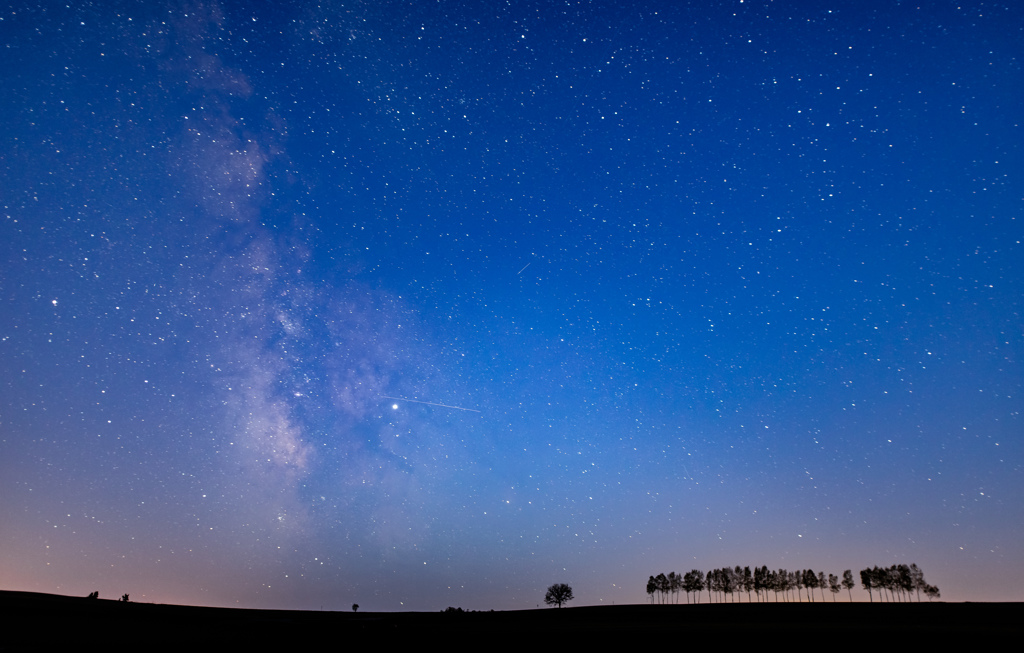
x,y
672,285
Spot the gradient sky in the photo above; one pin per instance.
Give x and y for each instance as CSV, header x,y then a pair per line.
x,y
673,285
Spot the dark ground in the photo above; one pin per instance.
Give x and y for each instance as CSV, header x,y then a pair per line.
x,y
44,619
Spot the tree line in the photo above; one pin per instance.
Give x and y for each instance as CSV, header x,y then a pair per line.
x,y
902,582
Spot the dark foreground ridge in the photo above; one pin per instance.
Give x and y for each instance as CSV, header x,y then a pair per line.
x,y
53,619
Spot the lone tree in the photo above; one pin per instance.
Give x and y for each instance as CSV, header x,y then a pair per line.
x,y
558,594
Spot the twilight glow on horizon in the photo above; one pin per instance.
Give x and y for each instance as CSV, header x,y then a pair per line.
x,y
437,303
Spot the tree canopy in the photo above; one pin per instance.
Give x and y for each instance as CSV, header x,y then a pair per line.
x,y
558,594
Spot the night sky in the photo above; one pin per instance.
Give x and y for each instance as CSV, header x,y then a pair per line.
x,y
428,304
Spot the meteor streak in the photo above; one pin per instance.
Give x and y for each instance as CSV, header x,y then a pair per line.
x,y
430,403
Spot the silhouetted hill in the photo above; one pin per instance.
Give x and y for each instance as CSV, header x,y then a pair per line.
x,y
52,619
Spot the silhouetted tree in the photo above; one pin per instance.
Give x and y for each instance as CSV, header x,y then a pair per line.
x,y
693,581
735,582
884,581
833,585
782,584
748,581
867,581
558,594
675,581
124,598
918,584
94,595
355,607
762,582
879,580
917,580
806,579
894,582
906,578
887,580
727,582
848,583
661,584
652,587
